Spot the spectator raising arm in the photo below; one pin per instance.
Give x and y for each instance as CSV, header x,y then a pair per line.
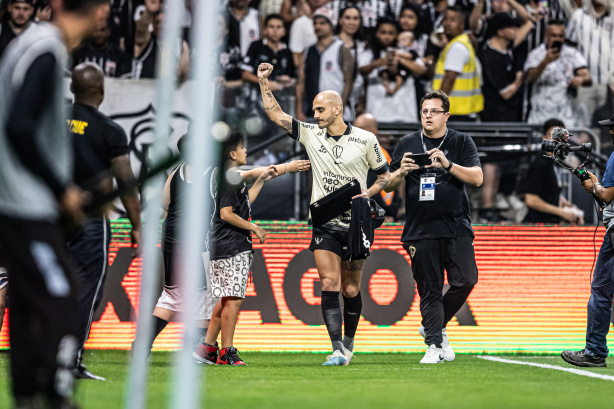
x,y
271,107
527,22
552,54
347,66
476,16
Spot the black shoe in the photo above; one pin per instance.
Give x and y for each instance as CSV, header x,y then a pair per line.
x,y
81,373
580,358
490,215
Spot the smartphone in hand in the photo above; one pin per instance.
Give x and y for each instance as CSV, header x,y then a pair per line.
x,y
556,45
421,159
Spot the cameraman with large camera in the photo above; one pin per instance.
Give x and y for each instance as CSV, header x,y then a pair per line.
x,y
599,309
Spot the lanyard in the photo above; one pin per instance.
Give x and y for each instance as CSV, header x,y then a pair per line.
x,y
442,141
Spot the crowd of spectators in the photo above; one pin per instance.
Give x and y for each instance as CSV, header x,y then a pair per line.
x,y
498,60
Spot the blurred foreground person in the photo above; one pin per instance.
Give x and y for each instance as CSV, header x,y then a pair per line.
x,y
35,190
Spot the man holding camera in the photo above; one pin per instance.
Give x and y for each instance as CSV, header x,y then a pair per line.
x,y
438,234
599,309
556,71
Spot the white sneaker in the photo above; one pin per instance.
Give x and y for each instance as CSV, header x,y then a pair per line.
x,y
448,352
336,359
433,355
348,355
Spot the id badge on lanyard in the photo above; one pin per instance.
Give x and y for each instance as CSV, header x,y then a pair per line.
x,y
427,187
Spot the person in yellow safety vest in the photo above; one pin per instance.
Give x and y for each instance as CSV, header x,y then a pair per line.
x,y
457,73
368,122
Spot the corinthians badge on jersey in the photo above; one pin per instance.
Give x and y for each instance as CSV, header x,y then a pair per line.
x,y
337,151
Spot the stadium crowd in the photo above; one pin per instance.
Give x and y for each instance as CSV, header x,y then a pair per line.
x,y
499,60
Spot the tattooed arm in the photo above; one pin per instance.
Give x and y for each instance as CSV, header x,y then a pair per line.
x,y
271,107
380,184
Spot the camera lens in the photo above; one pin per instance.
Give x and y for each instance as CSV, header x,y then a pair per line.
x,y
548,145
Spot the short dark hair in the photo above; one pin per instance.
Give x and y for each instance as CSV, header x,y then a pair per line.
x,y
82,5
458,10
231,143
440,95
550,123
386,20
273,16
556,23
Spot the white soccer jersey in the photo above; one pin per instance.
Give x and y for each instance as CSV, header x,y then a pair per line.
x,y
335,163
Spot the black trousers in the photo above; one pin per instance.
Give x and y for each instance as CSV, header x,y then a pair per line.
x,y
42,307
429,259
89,248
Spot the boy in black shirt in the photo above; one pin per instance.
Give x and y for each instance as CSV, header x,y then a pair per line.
x,y
231,247
171,300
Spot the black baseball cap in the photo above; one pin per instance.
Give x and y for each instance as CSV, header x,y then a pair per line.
x,y
608,122
499,21
30,2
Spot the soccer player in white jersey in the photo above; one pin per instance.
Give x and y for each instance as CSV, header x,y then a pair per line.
x,y
338,153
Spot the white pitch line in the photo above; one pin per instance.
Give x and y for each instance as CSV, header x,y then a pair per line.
x,y
546,366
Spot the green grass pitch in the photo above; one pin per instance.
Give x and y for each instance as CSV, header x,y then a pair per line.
x,y
295,381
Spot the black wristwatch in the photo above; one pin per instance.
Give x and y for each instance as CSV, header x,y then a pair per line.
x,y
449,166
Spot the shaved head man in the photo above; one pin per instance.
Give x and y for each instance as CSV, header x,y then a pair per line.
x,y
367,122
339,153
88,84
328,109
101,147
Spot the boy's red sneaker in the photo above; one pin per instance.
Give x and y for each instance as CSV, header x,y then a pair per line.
x,y
229,356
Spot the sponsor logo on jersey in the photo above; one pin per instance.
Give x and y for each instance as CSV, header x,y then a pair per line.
x,y
357,140
318,240
322,149
328,66
378,152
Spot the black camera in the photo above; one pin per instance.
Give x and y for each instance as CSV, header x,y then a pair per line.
x,y
560,146
562,149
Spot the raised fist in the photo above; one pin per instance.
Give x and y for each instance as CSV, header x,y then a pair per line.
x,y
264,70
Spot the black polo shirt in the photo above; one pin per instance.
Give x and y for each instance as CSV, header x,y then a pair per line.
x,y
448,216
259,52
96,140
